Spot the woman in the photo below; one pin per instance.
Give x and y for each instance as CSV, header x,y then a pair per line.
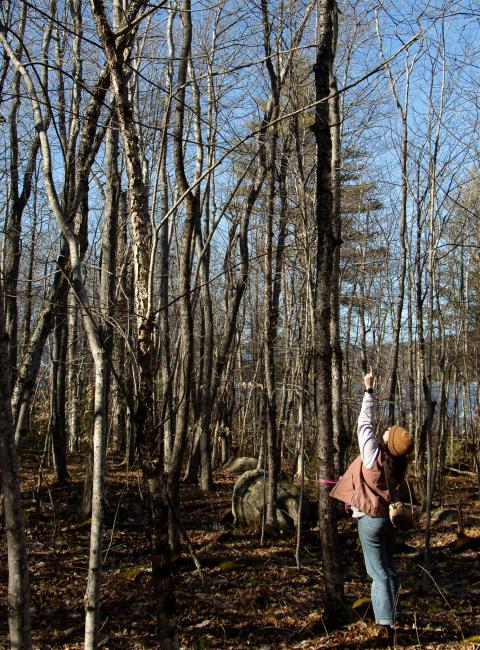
x,y
364,488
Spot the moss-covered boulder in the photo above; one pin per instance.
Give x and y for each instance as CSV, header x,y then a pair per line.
x,y
248,500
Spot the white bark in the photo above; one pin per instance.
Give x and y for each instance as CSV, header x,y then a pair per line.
x,y
95,559
92,593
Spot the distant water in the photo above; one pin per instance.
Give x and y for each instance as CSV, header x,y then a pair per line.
x,y
467,397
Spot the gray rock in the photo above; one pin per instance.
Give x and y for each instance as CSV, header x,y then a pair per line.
x,y
441,518
444,517
247,502
238,466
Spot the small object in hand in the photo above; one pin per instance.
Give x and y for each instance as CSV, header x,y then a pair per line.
x,y
400,515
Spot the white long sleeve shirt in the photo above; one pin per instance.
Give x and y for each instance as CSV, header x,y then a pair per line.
x,y
367,442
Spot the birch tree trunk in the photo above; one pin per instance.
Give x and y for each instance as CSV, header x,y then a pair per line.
x,y
91,330
204,383
432,254
88,147
140,230
72,379
92,592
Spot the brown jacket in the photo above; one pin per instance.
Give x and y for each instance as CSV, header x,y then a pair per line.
x,y
365,489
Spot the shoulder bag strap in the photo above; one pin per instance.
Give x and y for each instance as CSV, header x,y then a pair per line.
x,y
391,493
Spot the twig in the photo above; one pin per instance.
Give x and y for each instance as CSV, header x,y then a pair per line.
x,y
36,493
444,598
113,526
185,536
416,628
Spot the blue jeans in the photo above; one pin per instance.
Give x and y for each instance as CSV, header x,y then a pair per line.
x,y
377,536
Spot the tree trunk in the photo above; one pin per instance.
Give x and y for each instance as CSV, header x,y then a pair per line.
x,y
141,236
272,446
192,214
57,423
19,200
108,260
74,249
120,418
29,367
336,609
92,593
340,437
167,418
73,380
398,316
18,598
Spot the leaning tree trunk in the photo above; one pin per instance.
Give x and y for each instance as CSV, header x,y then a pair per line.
x,y
18,598
91,330
32,354
336,610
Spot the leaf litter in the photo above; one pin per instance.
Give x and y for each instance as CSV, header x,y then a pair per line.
x,y
253,596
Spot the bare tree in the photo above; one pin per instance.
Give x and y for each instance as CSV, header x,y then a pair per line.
x,y
18,579
336,610
403,112
140,229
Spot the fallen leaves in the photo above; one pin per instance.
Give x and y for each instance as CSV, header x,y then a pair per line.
x,y
253,596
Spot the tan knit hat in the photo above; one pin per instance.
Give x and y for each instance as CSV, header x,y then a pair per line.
x,y
400,441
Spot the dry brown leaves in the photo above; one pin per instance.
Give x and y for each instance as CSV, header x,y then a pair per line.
x,y
252,596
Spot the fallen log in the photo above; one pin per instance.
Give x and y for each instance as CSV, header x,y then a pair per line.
x,y
460,471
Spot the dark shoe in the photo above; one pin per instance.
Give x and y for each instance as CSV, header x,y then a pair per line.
x,y
384,631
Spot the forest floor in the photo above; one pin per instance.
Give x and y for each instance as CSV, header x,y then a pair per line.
x,y
251,596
